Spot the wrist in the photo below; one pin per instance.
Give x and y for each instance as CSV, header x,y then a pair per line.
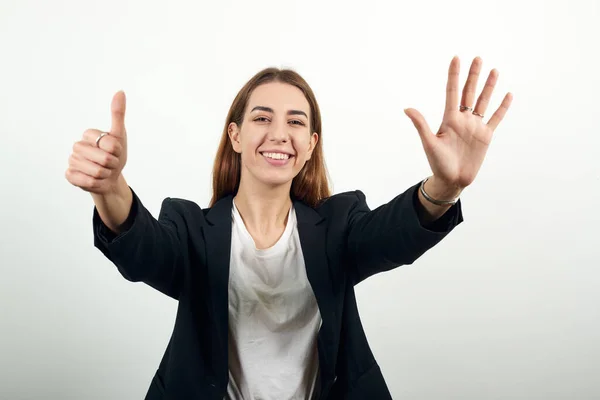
x,y
440,190
114,206
121,189
118,192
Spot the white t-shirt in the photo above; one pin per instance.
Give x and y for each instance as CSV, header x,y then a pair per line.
x,y
273,318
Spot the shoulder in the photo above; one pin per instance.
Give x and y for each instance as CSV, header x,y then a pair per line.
x,y
342,203
172,206
179,204
344,198
190,210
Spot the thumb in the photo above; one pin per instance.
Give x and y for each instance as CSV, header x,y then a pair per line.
x,y
419,122
117,110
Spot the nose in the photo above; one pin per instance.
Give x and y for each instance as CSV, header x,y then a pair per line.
x,y
279,133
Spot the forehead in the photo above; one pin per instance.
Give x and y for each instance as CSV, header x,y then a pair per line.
x,y
281,97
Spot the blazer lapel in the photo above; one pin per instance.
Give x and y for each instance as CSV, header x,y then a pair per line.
x,y
217,236
313,238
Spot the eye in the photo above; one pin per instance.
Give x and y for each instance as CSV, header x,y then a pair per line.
x,y
297,122
261,119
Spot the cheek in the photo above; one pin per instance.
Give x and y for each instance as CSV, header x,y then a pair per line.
x,y
249,144
301,145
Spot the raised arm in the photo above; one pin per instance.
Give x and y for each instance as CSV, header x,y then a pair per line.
x,y
142,247
403,229
393,234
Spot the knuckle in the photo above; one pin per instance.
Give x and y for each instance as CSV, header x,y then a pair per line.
x,y
118,149
90,132
98,173
106,159
73,178
89,182
111,146
78,147
114,162
87,135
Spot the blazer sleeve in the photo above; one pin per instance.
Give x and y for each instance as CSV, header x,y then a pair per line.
x,y
392,234
150,251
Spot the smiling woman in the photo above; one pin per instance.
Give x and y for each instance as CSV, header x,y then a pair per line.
x,y
265,275
278,108
273,136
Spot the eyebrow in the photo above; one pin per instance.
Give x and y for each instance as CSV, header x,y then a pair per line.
x,y
269,109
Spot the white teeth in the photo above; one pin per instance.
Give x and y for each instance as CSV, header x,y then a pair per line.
x,y
277,156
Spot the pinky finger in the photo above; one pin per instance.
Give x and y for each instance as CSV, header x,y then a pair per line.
x,y
88,167
500,112
81,180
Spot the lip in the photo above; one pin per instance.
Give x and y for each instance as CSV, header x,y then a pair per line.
x,y
276,162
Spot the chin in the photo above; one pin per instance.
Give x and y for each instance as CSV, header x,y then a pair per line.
x,y
271,178
275,181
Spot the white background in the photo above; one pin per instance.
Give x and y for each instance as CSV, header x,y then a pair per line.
x,y
506,307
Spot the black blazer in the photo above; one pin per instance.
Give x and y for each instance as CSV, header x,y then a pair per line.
x,y
185,255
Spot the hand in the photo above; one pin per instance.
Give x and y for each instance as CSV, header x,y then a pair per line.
x,y
456,152
96,169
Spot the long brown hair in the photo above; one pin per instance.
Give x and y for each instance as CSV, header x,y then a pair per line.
x,y
311,185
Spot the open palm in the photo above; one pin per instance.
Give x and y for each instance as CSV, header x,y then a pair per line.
x,y
456,152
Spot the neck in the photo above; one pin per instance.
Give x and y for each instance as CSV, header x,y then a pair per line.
x,y
263,208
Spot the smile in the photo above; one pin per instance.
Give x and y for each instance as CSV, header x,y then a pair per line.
x,y
276,156
277,159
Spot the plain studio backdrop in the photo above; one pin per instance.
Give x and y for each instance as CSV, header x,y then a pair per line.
x,y
505,307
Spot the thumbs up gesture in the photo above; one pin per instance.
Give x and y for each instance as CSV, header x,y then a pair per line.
x,y
97,160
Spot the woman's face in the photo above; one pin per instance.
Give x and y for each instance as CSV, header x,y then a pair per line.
x,y
274,140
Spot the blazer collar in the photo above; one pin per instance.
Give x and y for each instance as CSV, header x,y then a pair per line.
x,y
220,212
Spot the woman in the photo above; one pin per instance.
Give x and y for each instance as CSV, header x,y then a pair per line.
x,y
265,276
